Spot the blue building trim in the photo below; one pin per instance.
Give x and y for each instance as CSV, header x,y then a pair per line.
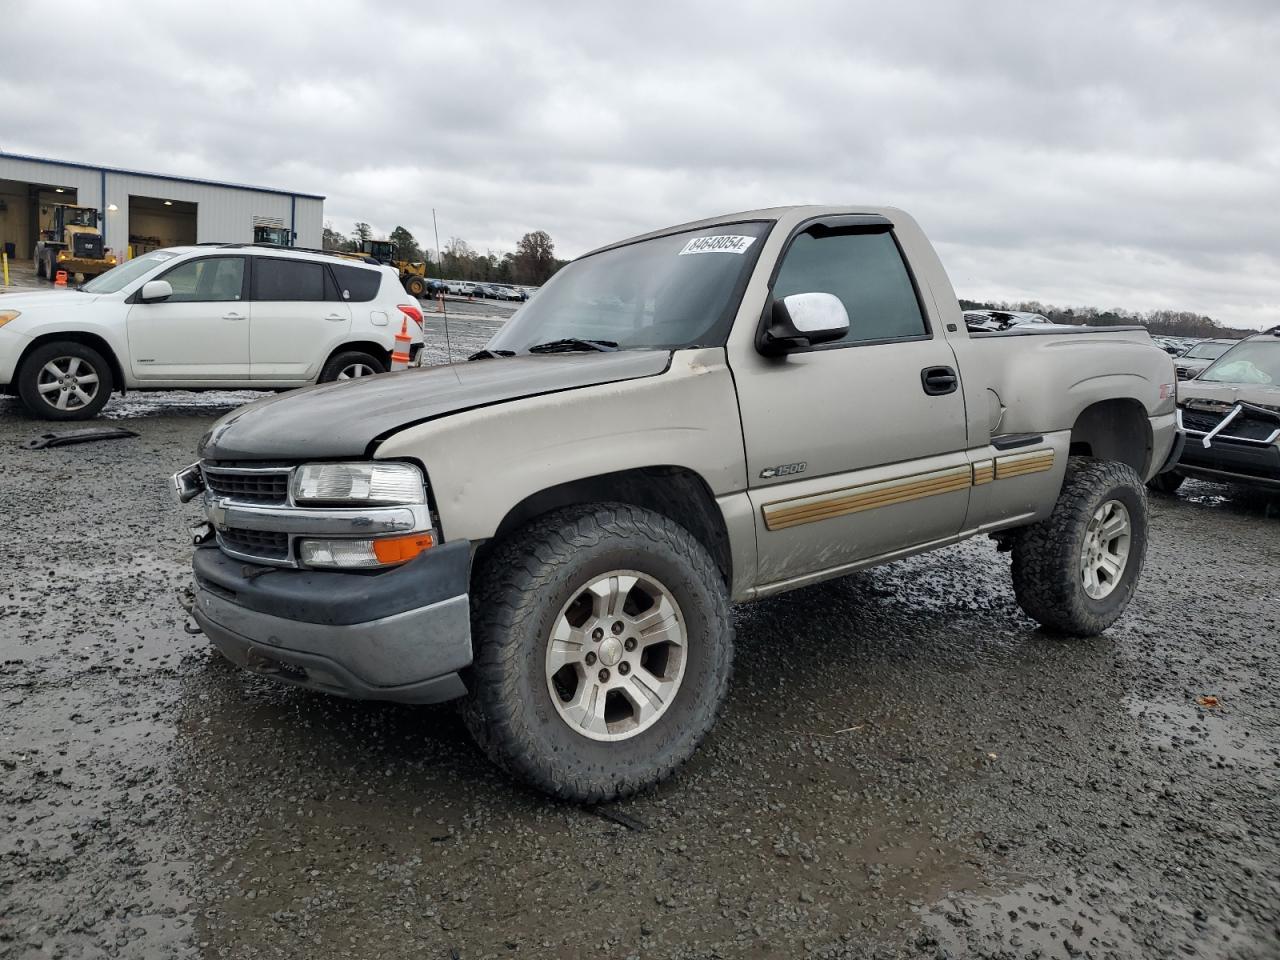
x,y
293,219
158,176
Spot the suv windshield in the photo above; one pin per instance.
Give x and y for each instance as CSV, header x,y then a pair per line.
x,y
666,293
1254,361
117,278
1208,351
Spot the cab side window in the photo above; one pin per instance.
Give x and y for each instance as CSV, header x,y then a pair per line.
x,y
865,270
207,280
275,280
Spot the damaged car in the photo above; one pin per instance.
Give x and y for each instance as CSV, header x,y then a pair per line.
x,y
1230,415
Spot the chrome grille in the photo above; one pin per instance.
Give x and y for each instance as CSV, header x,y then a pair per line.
x,y
248,485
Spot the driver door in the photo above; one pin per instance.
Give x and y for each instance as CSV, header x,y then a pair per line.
x,y
856,448
199,333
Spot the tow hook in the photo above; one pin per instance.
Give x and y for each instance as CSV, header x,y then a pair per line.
x,y
187,601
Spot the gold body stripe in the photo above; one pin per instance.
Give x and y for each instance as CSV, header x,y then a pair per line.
x,y
886,493
1017,464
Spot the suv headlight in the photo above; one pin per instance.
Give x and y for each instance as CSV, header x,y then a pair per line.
x,y
359,483
7,315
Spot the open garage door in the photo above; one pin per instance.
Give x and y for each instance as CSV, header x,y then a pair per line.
x,y
19,222
155,222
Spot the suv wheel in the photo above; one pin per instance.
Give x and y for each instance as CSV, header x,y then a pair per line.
x,y
64,380
1076,571
603,651
351,364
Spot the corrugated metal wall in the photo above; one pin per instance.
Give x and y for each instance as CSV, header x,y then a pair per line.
x,y
223,214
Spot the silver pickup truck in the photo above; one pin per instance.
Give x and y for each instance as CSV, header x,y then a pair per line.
x,y
712,413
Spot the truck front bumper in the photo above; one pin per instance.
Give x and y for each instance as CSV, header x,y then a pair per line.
x,y
402,634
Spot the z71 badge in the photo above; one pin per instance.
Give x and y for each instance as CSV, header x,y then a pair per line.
x,y
785,470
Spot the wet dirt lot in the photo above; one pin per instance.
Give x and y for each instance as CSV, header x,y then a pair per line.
x,y
906,765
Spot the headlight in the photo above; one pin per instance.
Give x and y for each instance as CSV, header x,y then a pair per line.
x,y
7,315
359,483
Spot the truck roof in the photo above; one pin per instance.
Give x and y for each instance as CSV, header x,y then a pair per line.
x,y
793,212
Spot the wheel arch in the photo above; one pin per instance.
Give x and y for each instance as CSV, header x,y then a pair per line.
x,y
367,346
1115,429
91,340
676,492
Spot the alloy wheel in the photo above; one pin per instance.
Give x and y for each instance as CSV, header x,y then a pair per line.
x,y
616,655
1105,552
67,383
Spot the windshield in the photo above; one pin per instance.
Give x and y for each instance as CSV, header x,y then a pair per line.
x,y
80,217
117,278
1255,361
666,293
1208,351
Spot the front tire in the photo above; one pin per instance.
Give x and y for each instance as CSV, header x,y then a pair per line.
x,y
603,651
64,380
416,287
1076,570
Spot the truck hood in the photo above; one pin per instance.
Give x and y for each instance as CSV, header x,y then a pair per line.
x,y
347,418
1229,393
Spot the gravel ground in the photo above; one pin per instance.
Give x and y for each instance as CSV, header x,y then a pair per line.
x,y
906,765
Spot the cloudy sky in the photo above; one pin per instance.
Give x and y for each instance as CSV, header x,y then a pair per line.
x,y
1076,153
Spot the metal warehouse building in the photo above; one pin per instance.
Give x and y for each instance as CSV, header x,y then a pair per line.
x,y
143,211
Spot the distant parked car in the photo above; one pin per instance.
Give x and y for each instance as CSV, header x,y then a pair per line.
x,y
506,291
980,321
1198,358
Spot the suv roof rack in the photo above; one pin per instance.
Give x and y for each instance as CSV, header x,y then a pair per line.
x,y
340,254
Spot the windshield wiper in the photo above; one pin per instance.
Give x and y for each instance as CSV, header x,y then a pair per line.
x,y
571,344
491,354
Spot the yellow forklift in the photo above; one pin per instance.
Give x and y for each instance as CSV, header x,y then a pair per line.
x,y
412,275
70,239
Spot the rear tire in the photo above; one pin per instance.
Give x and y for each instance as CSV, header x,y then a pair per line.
x,y
416,287
572,716
65,380
1167,482
351,365
1076,570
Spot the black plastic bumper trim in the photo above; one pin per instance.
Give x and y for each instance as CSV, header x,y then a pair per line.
x,y
339,599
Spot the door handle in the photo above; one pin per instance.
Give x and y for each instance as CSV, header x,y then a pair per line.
x,y
233,316
335,316
939,380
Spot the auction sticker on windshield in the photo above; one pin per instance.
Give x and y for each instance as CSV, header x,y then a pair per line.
x,y
718,244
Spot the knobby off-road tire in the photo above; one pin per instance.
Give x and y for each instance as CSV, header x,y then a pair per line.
x,y
534,587
1050,557
1167,482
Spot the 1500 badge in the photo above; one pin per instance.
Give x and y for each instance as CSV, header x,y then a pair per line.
x,y
783,470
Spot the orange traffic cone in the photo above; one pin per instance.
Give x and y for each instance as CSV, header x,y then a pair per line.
x,y
400,355
61,279
440,302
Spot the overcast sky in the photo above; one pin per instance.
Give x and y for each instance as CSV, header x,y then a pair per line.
x,y
1112,154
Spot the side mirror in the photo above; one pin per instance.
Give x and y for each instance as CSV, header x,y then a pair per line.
x,y
153,291
802,320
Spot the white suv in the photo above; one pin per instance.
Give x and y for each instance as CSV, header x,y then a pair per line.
x,y
203,317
